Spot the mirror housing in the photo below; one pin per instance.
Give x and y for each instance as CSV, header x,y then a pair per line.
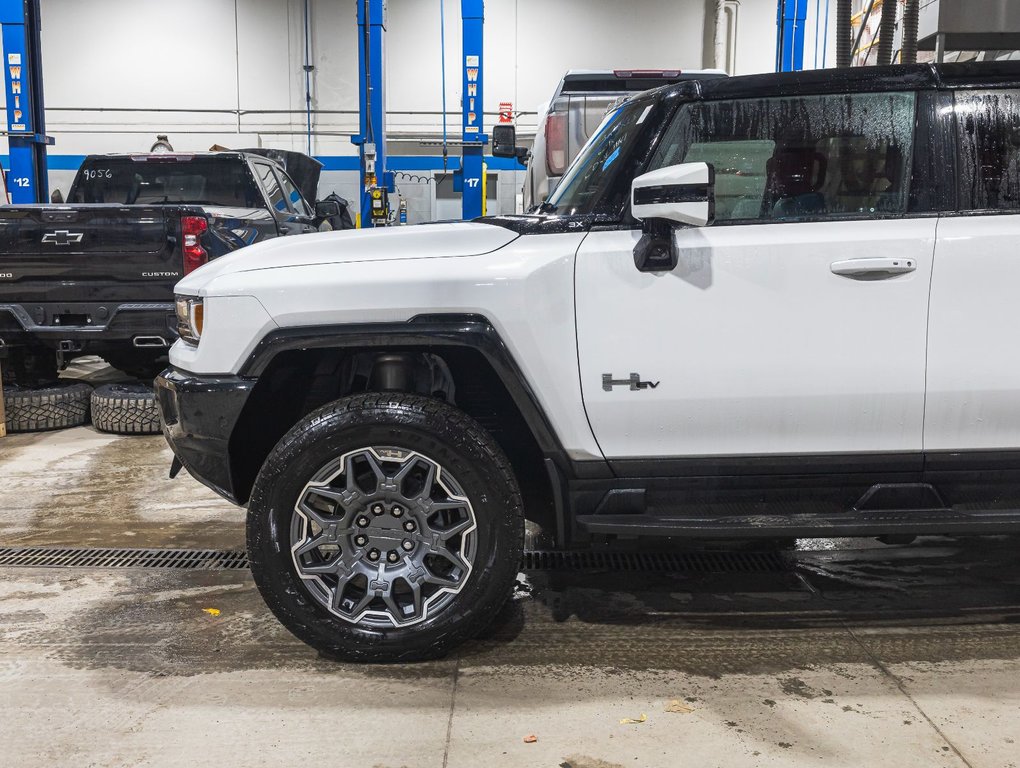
x,y
504,141
57,197
504,144
325,209
681,194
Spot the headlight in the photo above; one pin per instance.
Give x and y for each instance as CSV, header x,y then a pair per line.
x,y
189,318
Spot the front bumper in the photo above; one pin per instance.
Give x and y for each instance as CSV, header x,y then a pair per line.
x,y
199,414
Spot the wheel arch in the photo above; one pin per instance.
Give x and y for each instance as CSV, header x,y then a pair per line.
x,y
460,358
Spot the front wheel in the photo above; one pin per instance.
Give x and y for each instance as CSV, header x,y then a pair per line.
x,y
385,527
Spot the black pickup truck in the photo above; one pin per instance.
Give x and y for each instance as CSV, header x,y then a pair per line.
x,y
95,275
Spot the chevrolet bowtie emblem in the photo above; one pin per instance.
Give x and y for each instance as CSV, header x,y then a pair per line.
x,y
63,237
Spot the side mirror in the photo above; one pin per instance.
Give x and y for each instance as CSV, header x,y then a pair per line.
x,y
677,194
325,209
504,141
57,197
682,194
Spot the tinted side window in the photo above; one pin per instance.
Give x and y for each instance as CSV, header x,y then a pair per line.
x,y
808,157
274,194
988,127
291,192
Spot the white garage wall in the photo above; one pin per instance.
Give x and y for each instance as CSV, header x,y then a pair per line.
x,y
117,72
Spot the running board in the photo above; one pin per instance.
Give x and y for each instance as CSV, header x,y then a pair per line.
x,y
853,523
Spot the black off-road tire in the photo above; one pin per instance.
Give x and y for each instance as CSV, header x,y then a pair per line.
x,y
426,425
56,406
125,409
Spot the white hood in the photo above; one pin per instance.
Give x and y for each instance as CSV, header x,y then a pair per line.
x,y
353,245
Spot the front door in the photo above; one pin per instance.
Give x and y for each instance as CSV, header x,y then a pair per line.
x,y
793,326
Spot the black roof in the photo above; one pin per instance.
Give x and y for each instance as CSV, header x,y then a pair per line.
x,y
226,154
971,75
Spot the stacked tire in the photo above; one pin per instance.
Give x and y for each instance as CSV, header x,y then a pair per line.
x,y
56,406
123,408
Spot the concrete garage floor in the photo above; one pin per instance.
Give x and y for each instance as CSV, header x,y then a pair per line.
x,y
854,654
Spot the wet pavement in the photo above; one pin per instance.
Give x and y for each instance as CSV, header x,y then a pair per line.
x,y
850,653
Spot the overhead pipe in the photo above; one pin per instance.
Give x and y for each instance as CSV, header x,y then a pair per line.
x,y
886,31
844,33
725,43
308,69
909,51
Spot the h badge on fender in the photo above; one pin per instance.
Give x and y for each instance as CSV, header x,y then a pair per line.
x,y
634,383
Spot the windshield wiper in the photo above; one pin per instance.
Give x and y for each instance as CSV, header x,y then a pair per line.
x,y
546,207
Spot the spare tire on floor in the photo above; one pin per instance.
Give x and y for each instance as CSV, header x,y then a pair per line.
x,y
53,406
125,409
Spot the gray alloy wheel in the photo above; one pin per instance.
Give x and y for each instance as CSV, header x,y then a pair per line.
x,y
383,537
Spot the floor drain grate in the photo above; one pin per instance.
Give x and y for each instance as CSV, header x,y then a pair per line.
x,y
678,562
545,560
188,559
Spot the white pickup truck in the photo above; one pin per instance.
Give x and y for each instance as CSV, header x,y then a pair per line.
x,y
768,306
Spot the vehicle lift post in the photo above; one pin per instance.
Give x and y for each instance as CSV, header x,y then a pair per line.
x,y
792,24
376,182
26,117
473,139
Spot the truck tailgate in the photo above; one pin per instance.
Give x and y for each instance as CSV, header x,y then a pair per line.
x,y
115,246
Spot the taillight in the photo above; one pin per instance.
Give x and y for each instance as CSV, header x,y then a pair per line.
x,y
556,143
192,228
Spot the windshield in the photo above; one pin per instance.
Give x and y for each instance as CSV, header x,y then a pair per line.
x,y
590,184
225,182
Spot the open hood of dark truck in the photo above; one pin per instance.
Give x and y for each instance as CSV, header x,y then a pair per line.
x,y
302,168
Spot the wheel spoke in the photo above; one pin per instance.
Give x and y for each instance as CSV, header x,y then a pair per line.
x,y
311,544
391,604
337,497
439,581
377,470
327,567
415,597
445,534
322,520
439,506
361,605
429,482
455,559
343,500
405,470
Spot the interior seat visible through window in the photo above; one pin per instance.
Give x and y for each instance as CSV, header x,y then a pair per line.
x,y
796,174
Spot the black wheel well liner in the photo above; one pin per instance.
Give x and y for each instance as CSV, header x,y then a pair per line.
x,y
460,358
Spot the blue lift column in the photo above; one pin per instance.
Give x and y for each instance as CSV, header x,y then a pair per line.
x,y
26,118
376,181
474,139
792,23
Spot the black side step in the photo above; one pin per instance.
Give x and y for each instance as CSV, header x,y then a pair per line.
x,y
853,523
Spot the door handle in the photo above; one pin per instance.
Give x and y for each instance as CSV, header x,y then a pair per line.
x,y
874,268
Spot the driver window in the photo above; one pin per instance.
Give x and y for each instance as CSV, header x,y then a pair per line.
x,y
296,201
266,177
799,158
